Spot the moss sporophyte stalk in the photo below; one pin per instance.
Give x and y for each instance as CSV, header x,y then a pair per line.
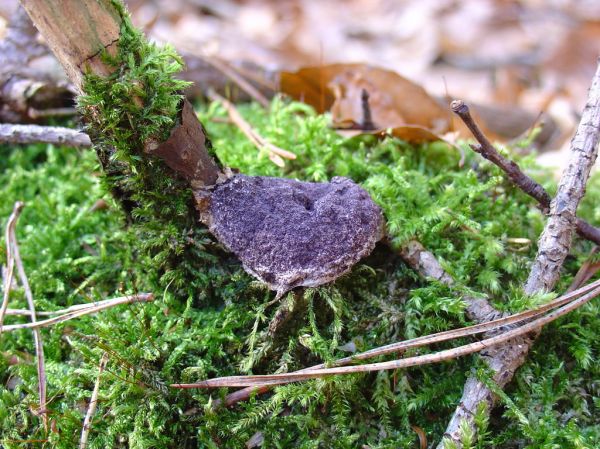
x,y
211,319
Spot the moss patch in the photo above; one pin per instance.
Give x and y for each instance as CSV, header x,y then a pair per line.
x,y
219,326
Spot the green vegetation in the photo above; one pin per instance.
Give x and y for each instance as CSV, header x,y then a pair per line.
x,y
218,326
211,319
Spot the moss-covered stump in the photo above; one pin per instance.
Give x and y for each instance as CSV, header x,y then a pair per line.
x,y
211,319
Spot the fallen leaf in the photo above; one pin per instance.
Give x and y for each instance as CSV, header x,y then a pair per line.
x,y
393,100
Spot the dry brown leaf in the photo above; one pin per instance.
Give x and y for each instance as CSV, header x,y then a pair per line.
x,y
393,100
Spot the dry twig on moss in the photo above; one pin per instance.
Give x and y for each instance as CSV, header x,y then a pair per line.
x,y
77,311
26,134
87,422
514,172
276,154
553,247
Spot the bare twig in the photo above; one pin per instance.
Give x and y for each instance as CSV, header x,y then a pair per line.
x,y
52,112
10,260
25,88
87,422
110,302
25,134
448,354
553,247
514,172
425,263
142,297
275,153
37,336
233,75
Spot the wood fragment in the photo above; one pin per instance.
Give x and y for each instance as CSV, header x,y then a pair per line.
x,y
28,134
25,89
553,247
232,74
87,422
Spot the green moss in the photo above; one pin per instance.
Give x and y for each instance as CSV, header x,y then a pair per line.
x,y
464,215
138,103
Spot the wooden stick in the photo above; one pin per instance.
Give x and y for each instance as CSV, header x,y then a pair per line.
x,y
275,153
26,134
87,422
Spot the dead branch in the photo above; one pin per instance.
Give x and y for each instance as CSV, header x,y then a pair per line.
x,y
275,153
141,297
37,335
26,134
514,172
232,74
80,50
87,422
425,263
553,247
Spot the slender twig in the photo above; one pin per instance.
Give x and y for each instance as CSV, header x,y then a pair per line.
x,y
10,261
553,248
275,153
448,354
52,112
514,172
111,302
498,324
87,422
142,297
234,76
26,134
37,335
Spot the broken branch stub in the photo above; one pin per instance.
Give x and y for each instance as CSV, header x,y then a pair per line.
x,y
289,233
